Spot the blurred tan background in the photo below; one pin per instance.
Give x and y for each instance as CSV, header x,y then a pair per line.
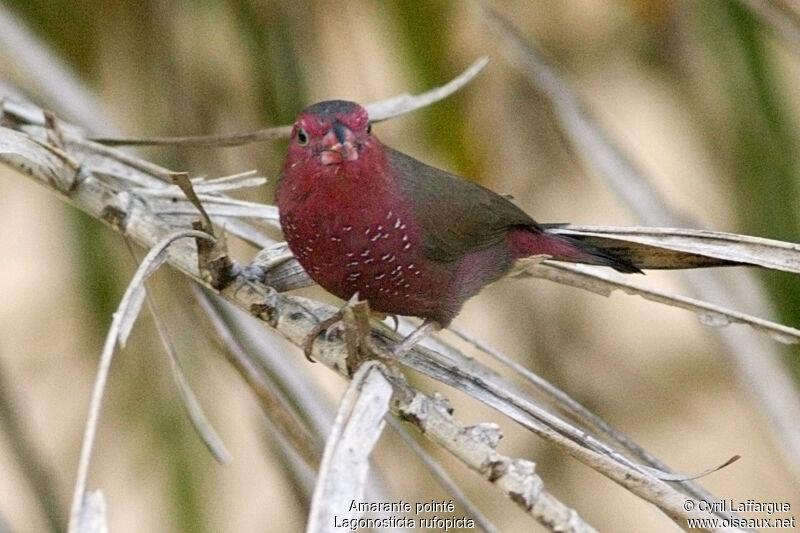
x,y
701,95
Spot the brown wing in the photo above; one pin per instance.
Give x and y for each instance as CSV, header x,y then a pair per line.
x,y
456,215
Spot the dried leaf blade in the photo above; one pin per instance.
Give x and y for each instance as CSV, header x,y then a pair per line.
x,y
345,463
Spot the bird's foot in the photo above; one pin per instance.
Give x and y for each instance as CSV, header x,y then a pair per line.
x,y
352,320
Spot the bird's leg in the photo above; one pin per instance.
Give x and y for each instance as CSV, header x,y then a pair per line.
x,y
427,328
355,317
352,318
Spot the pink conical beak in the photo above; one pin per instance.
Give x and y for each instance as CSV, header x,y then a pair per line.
x,y
338,145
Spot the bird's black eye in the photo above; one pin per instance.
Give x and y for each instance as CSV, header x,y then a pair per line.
x,y
369,127
302,137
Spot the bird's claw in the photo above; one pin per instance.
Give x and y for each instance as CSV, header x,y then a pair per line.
x,y
324,326
353,320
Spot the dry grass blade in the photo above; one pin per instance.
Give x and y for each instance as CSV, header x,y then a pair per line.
x,y
128,307
378,111
189,401
200,141
195,413
485,385
603,283
164,201
564,403
236,181
668,248
20,151
345,463
406,103
181,179
93,515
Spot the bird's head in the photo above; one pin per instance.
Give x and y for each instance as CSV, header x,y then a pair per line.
x,y
333,132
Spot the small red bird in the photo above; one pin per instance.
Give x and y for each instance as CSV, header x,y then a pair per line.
x,y
409,238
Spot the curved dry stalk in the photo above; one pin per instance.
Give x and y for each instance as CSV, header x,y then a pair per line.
x,y
126,314
345,463
564,403
93,516
378,111
194,411
406,103
604,283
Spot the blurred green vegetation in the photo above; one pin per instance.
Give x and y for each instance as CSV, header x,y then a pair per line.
x,y
760,137
423,38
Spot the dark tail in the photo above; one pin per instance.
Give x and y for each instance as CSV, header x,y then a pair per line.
x,y
526,243
583,252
